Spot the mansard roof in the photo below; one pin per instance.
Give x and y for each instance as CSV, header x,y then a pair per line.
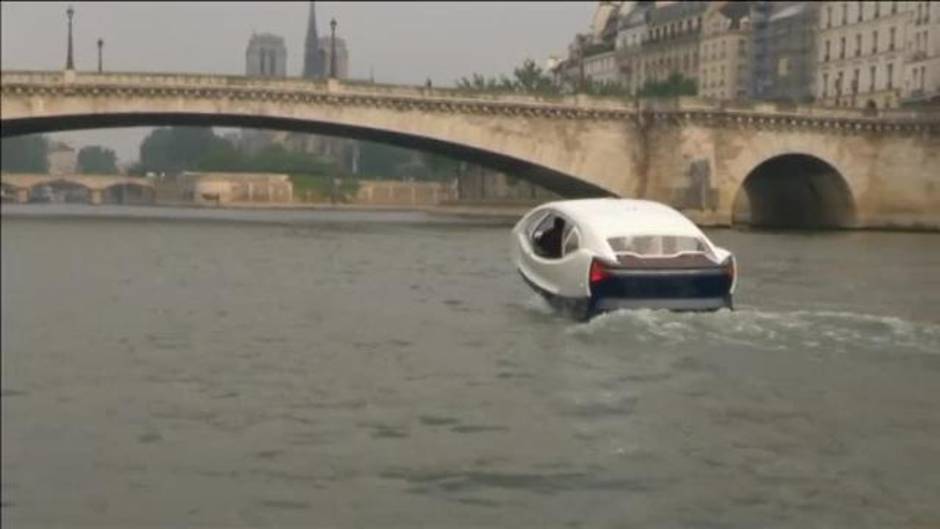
x,y
676,11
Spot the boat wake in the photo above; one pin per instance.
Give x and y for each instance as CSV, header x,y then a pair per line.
x,y
829,330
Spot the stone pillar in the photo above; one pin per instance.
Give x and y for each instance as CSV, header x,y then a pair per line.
x,y
95,197
22,196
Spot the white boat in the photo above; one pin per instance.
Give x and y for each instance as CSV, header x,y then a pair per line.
x,y
594,255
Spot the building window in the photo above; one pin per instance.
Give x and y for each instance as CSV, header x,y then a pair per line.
x,y
923,73
890,73
842,48
825,85
839,84
858,45
894,8
855,75
860,12
845,13
874,42
871,81
891,41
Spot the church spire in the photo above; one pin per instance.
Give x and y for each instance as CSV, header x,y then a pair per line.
x,y
313,66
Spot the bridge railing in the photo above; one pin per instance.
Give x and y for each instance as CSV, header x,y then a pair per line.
x,y
130,79
379,90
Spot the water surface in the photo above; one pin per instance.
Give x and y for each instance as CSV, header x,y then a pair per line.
x,y
296,369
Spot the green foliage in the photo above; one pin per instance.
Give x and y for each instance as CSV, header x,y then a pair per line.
x,y
276,159
530,79
527,79
319,187
24,154
175,149
441,167
95,159
675,86
380,161
387,162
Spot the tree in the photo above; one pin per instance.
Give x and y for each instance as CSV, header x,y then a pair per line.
x,y
381,161
676,85
528,79
172,150
25,154
531,79
95,159
440,167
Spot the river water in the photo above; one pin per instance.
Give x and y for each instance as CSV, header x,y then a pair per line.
x,y
170,368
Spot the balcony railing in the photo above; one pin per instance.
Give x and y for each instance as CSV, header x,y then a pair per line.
x,y
597,49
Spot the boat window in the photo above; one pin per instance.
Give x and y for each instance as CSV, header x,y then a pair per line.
x,y
657,245
572,241
547,237
535,222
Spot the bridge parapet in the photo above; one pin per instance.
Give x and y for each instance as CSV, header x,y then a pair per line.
x,y
90,181
457,100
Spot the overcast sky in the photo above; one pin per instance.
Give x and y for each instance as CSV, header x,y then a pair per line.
x,y
401,42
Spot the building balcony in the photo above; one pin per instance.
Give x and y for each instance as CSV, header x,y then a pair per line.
x,y
597,49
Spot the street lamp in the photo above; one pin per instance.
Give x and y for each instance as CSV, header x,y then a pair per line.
x,y
333,48
69,61
581,64
100,45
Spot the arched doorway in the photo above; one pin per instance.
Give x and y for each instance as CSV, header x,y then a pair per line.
x,y
127,193
60,191
794,191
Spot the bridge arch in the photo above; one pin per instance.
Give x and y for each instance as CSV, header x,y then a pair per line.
x,y
552,179
795,190
128,192
70,190
59,182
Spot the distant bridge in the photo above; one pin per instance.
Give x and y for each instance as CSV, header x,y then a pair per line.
x,y
20,185
802,166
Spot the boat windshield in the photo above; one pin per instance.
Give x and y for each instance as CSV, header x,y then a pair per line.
x,y
657,245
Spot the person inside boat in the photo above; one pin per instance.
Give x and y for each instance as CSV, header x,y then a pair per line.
x,y
550,241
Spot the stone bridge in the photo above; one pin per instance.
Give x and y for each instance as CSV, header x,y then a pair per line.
x,y
20,185
719,163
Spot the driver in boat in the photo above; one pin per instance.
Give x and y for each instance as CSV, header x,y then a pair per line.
x,y
550,241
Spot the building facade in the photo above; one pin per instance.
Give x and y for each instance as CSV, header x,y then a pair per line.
x,y
724,52
672,41
266,56
861,55
313,65
317,55
226,188
61,159
342,57
633,27
922,60
791,52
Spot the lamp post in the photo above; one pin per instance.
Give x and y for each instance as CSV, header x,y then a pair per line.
x,y
100,45
333,48
69,61
580,64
